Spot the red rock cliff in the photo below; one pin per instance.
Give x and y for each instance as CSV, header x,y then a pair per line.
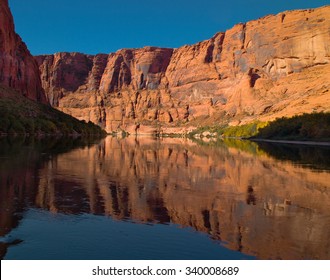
x,y
18,68
271,67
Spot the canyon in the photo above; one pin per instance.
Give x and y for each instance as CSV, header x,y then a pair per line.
x,y
271,67
270,205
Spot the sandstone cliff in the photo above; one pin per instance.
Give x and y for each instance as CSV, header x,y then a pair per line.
x,y
271,67
18,68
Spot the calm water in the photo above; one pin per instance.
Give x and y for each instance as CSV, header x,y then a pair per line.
x,y
163,199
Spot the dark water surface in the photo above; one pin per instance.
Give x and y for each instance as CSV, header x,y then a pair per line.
x,y
143,198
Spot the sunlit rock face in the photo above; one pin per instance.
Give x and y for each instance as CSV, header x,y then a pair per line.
x,y
269,208
274,66
18,68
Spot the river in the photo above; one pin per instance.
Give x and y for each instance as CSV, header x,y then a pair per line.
x,y
145,198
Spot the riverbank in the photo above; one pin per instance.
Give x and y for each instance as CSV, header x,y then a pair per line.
x,y
21,116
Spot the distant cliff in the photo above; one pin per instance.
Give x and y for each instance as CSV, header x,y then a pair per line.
x,y
18,68
274,66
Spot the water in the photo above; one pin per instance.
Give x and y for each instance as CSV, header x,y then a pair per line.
x,y
144,198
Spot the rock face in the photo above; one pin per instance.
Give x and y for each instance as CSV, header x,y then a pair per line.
x,y
18,68
271,67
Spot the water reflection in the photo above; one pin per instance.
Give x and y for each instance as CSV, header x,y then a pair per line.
x,y
235,192
314,157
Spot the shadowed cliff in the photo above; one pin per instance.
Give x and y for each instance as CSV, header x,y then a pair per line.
x,y
18,68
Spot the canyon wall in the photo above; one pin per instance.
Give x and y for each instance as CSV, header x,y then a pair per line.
x,y
18,68
271,67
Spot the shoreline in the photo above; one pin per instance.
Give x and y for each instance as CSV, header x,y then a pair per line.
x,y
309,143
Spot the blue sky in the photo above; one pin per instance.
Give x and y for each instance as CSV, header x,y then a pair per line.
x,y
104,26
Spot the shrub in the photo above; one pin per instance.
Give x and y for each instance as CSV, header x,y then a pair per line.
x,y
315,126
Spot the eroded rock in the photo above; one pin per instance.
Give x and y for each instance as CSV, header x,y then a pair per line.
x,y
262,69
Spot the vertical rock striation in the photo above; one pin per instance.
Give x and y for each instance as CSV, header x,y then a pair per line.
x,y
271,67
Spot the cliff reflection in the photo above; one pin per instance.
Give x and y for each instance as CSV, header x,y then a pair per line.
x,y
21,160
253,203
